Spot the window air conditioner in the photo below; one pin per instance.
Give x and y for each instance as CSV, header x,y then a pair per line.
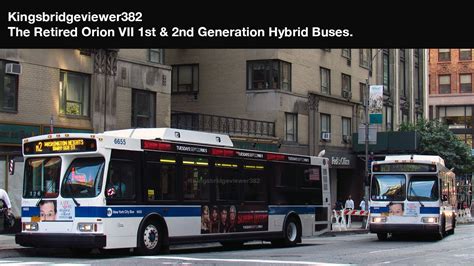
x,y
347,94
326,136
346,138
13,68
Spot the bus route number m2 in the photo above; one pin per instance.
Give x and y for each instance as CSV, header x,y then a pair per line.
x,y
120,142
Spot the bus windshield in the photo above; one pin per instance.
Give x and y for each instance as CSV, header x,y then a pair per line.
x,y
83,178
42,177
423,188
388,187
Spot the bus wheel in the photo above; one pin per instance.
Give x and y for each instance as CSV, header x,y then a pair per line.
x,y
292,233
149,238
382,236
442,232
453,225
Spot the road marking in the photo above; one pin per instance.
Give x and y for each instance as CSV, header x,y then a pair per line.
x,y
239,260
384,250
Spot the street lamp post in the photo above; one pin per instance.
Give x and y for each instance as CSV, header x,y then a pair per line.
x,y
367,122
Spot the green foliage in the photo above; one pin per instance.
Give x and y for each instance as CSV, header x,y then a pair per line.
x,y
437,139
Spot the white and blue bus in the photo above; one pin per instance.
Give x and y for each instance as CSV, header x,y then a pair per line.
x,y
149,188
412,194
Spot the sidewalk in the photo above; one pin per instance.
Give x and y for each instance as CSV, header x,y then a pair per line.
x,y
355,228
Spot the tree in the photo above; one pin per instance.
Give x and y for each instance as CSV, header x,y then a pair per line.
x,y
437,139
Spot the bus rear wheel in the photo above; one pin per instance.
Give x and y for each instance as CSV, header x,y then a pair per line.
x,y
292,233
382,236
150,238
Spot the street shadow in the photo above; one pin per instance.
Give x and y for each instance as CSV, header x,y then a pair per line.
x,y
118,253
422,238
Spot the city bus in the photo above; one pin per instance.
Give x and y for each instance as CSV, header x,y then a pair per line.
x,y
412,194
149,188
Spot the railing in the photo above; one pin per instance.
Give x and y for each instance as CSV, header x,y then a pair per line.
x,y
222,124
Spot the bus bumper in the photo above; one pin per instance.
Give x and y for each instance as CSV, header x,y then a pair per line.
x,y
404,228
60,240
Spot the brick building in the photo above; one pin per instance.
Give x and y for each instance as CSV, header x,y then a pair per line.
x,y
451,98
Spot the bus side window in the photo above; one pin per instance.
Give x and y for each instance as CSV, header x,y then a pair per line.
x,y
121,180
160,178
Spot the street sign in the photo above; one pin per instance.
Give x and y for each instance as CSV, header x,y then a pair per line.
x,y
11,167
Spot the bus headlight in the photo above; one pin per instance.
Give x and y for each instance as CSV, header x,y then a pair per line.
x,y
30,226
380,219
429,220
87,227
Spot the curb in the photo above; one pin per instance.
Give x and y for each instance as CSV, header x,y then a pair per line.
x,y
11,252
347,232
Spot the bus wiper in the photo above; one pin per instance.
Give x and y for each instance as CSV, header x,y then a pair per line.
x,y
417,197
72,197
42,193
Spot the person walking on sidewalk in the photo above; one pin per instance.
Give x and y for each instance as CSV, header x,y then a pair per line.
x,y
349,205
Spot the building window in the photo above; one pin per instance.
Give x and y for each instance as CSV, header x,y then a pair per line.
x,y
185,79
363,91
74,91
291,127
402,74
388,118
156,55
404,115
325,80
444,84
346,129
466,82
444,55
465,54
416,73
456,117
8,89
269,74
365,55
386,71
346,53
346,82
325,123
143,108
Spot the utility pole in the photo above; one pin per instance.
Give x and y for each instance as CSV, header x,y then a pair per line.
x,y
367,123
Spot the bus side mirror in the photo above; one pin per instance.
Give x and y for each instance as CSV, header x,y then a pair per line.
x,y
444,197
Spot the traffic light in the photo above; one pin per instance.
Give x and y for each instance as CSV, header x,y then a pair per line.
x,y
11,166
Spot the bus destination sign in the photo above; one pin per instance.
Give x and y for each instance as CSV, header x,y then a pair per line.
x,y
405,167
60,146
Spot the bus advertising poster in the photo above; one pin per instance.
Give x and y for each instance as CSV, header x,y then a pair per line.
x,y
52,210
217,219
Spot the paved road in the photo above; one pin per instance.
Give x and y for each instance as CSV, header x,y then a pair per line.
x,y
342,249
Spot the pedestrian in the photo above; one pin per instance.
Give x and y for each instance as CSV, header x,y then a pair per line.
x,y
349,205
362,205
6,215
6,200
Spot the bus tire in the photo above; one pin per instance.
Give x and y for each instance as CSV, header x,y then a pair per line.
x,y
442,230
382,236
291,233
451,231
150,238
